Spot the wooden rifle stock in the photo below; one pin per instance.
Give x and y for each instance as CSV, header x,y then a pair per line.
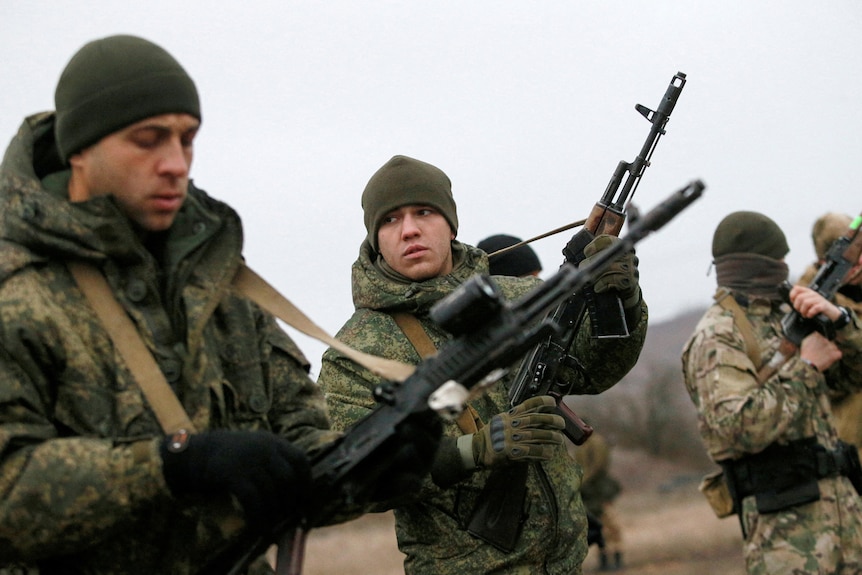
x,y
538,373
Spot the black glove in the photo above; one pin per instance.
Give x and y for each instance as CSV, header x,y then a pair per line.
x,y
622,275
413,449
530,431
268,475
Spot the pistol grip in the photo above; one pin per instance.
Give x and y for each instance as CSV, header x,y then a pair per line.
x,y
577,430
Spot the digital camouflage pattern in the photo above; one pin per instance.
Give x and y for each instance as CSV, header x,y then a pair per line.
x,y
80,474
739,416
431,529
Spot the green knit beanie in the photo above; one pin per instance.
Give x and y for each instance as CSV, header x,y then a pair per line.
x,y
751,233
403,181
114,82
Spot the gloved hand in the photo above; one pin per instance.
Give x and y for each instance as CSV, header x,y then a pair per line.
x,y
268,475
527,432
412,453
622,275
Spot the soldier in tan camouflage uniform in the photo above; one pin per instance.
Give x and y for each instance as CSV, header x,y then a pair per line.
x,y
89,482
775,438
847,408
409,261
599,491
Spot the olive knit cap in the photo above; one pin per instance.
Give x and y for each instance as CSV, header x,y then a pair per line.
x,y
828,228
116,81
751,233
403,181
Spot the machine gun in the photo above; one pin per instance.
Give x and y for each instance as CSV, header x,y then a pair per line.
x,y
842,255
487,334
538,373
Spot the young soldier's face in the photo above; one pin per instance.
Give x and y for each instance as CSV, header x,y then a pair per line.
x,y
145,166
416,242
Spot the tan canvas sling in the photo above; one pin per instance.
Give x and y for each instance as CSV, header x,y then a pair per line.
x,y
725,299
162,399
169,411
469,420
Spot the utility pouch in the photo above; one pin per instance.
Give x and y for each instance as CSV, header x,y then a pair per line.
x,y
714,487
773,501
498,515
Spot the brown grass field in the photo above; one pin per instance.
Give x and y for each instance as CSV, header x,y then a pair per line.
x,y
667,527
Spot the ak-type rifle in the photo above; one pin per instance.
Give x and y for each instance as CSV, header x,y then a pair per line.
x,y
841,257
538,374
488,333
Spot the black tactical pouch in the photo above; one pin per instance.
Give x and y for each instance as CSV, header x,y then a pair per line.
x,y
780,476
774,500
854,468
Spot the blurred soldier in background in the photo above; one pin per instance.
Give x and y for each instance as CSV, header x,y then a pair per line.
x,y
518,262
847,408
599,490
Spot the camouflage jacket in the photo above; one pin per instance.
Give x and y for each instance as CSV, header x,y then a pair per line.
x,y
738,415
431,528
80,474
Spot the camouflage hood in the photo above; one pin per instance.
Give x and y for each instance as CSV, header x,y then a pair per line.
x,y
373,289
38,224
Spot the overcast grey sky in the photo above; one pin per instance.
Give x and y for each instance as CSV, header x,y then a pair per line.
x,y
527,106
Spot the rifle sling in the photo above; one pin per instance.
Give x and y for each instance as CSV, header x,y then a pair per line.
x,y
146,372
725,299
162,399
469,420
255,288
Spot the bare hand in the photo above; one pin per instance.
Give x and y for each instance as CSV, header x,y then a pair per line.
x,y
809,303
821,352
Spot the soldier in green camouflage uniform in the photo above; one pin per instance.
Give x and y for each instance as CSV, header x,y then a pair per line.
x,y
426,265
89,482
775,439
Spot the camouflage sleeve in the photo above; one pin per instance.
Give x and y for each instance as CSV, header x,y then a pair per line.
x,y
606,361
348,387
61,494
737,414
299,410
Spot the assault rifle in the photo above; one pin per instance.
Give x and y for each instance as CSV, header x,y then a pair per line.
x,y
842,255
488,333
538,373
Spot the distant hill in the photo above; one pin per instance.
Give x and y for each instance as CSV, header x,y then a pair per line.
x,y
650,409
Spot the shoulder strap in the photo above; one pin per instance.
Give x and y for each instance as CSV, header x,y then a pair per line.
x,y
255,288
725,299
468,421
162,399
